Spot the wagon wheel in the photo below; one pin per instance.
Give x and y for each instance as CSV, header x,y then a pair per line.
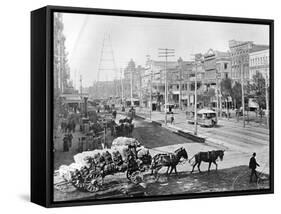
x,y
136,176
78,183
93,183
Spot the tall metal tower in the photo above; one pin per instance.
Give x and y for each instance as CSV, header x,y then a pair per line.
x,y
107,70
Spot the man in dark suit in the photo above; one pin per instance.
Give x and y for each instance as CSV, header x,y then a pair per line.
x,y
253,165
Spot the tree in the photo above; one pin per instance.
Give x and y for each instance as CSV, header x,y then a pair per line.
x,y
257,89
206,96
226,89
237,94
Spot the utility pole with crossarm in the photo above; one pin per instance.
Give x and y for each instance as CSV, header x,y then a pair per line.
x,y
165,52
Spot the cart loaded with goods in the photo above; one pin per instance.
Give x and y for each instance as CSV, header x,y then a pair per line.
x,y
89,169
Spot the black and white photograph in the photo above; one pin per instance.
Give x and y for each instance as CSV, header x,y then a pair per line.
x,y
146,107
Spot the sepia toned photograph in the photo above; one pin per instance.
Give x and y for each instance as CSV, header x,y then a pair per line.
x,y
146,107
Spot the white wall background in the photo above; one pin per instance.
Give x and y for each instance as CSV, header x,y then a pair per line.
x,y
15,107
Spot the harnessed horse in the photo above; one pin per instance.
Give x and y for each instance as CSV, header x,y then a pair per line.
x,y
169,160
210,157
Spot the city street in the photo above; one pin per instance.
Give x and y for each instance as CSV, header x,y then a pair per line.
x,y
103,95
228,134
233,173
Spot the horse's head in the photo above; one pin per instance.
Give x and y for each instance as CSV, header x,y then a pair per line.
x,y
220,154
181,152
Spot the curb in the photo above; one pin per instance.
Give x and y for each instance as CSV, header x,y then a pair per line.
x,y
178,131
156,123
188,135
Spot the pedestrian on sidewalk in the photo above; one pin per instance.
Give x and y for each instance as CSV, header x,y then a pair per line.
x,y
253,165
65,143
172,118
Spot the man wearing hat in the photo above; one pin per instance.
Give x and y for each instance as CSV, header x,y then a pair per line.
x,y
253,165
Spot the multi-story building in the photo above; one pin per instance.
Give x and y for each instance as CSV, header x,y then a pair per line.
x,y
259,62
103,90
216,66
240,51
132,77
61,67
180,81
154,77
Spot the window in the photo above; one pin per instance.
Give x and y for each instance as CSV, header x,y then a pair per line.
x,y
225,66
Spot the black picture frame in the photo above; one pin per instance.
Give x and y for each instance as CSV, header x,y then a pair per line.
x,y
42,103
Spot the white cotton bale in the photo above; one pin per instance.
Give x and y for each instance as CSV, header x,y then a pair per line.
x,y
142,152
124,151
66,171
123,141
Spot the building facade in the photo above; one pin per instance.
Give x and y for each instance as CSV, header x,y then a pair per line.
x,y
259,62
61,67
133,78
240,56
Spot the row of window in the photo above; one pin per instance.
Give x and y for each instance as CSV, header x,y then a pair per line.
x,y
236,53
236,74
263,60
238,60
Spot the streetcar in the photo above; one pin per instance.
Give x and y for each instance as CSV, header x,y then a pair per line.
x,y
205,117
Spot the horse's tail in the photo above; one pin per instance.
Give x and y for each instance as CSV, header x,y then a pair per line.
x,y
189,161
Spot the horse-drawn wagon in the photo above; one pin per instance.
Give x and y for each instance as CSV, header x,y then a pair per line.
x,y
91,167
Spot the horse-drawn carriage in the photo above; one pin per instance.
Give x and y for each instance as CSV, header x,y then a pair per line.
x,y
124,128
125,156
90,168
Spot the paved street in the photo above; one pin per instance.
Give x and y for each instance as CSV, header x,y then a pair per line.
x,y
233,171
105,96
229,135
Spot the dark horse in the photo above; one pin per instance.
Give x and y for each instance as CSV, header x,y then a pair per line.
x,y
210,157
170,160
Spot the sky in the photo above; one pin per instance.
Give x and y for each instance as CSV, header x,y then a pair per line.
x,y
135,38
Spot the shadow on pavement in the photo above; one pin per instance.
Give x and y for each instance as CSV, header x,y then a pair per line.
x,y
230,179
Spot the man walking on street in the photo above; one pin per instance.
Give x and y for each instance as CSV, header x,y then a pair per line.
x,y
253,165
172,119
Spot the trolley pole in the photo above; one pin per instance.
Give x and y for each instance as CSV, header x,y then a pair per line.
x,y
165,52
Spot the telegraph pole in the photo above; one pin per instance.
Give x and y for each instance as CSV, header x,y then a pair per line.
x,y
81,92
150,112
242,86
195,101
131,87
217,93
180,87
266,94
267,100
150,98
195,96
122,87
165,52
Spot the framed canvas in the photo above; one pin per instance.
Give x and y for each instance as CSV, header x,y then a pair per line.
x,y
131,106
